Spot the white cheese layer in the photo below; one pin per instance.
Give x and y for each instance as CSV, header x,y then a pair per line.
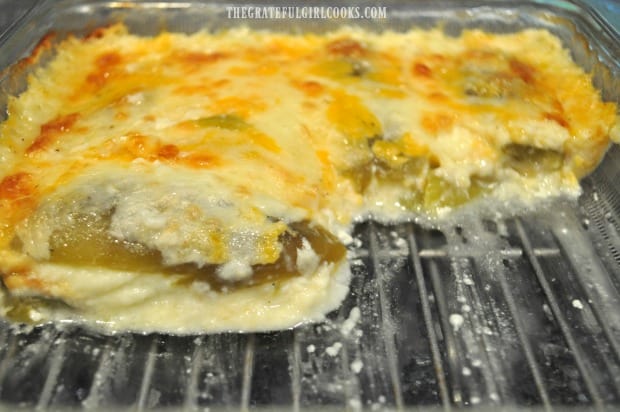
x,y
165,212
121,301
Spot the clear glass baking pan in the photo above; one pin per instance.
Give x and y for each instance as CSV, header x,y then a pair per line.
x,y
505,314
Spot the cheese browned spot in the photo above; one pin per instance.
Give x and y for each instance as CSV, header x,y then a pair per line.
x,y
52,131
191,183
16,186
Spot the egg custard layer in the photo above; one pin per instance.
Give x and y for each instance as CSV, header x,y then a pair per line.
x,y
207,182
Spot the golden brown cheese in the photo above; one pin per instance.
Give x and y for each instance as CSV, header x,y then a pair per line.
x,y
200,182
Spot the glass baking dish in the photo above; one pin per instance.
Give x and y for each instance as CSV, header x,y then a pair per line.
x,y
511,314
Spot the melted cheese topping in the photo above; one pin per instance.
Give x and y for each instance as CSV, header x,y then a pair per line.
x,y
195,182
